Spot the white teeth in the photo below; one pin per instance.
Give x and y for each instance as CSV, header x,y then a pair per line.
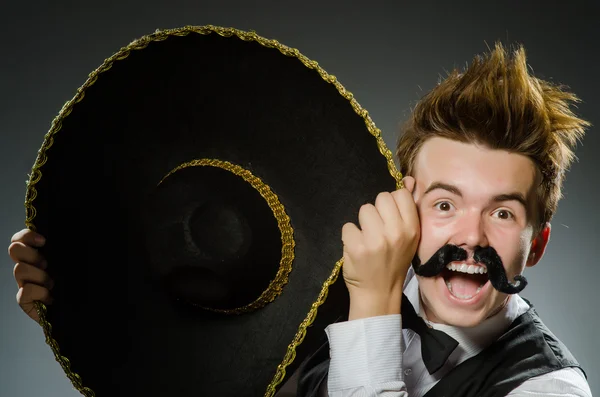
x,y
464,268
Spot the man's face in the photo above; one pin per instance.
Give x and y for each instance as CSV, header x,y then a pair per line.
x,y
471,196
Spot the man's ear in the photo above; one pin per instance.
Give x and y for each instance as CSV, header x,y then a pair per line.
x,y
538,246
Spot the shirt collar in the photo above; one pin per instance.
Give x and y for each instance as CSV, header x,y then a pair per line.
x,y
474,339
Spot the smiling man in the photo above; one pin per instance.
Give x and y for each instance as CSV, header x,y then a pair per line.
x,y
498,210
484,154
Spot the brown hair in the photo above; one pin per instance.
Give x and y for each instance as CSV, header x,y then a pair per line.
x,y
497,103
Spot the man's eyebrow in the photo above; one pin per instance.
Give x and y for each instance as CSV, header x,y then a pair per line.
x,y
516,196
444,186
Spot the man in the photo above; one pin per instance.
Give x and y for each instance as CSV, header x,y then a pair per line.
x,y
484,155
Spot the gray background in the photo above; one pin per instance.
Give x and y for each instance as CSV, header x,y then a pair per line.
x,y
386,52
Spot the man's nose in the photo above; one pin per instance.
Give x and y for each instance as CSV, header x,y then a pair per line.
x,y
471,231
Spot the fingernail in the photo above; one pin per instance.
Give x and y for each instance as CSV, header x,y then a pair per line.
x,y
40,240
50,284
44,264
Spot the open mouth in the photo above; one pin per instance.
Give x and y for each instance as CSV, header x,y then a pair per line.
x,y
464,281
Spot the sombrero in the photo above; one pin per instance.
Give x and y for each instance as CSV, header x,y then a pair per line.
x,y
192,194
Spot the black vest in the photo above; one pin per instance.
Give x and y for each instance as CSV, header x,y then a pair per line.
x,y
527,349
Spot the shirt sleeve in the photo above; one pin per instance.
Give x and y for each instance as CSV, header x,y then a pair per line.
x,y
566,382
366,358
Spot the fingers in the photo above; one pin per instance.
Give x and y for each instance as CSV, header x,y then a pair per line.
x,y
28,294
371,224
409,183
20,252
406,204
34,283
25,273
386,220
351,236
388,210
28,237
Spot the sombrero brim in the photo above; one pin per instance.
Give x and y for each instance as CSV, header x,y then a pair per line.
x,y
166,99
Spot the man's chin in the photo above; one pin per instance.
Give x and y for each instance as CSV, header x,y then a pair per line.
x,y
456,318
464,321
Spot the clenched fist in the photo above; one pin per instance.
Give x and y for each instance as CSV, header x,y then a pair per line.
x,y
378,254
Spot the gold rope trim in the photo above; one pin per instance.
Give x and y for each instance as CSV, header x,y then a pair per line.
x,y
290,354
142,43
62,360
283,221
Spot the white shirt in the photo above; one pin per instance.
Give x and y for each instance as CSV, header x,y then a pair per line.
x,y
376,357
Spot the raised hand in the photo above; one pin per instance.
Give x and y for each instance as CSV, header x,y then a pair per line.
x,y
378,254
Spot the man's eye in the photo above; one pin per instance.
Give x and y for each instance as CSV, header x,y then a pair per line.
x,y
504,214
444,206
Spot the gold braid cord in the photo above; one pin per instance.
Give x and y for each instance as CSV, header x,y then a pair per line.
x,y
140,44
283,221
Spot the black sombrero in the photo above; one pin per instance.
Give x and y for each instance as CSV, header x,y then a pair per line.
x,y
192,194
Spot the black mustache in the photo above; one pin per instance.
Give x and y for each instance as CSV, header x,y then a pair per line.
x,y
484,255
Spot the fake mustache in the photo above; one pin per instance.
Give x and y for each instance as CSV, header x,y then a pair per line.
x,y
486,256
